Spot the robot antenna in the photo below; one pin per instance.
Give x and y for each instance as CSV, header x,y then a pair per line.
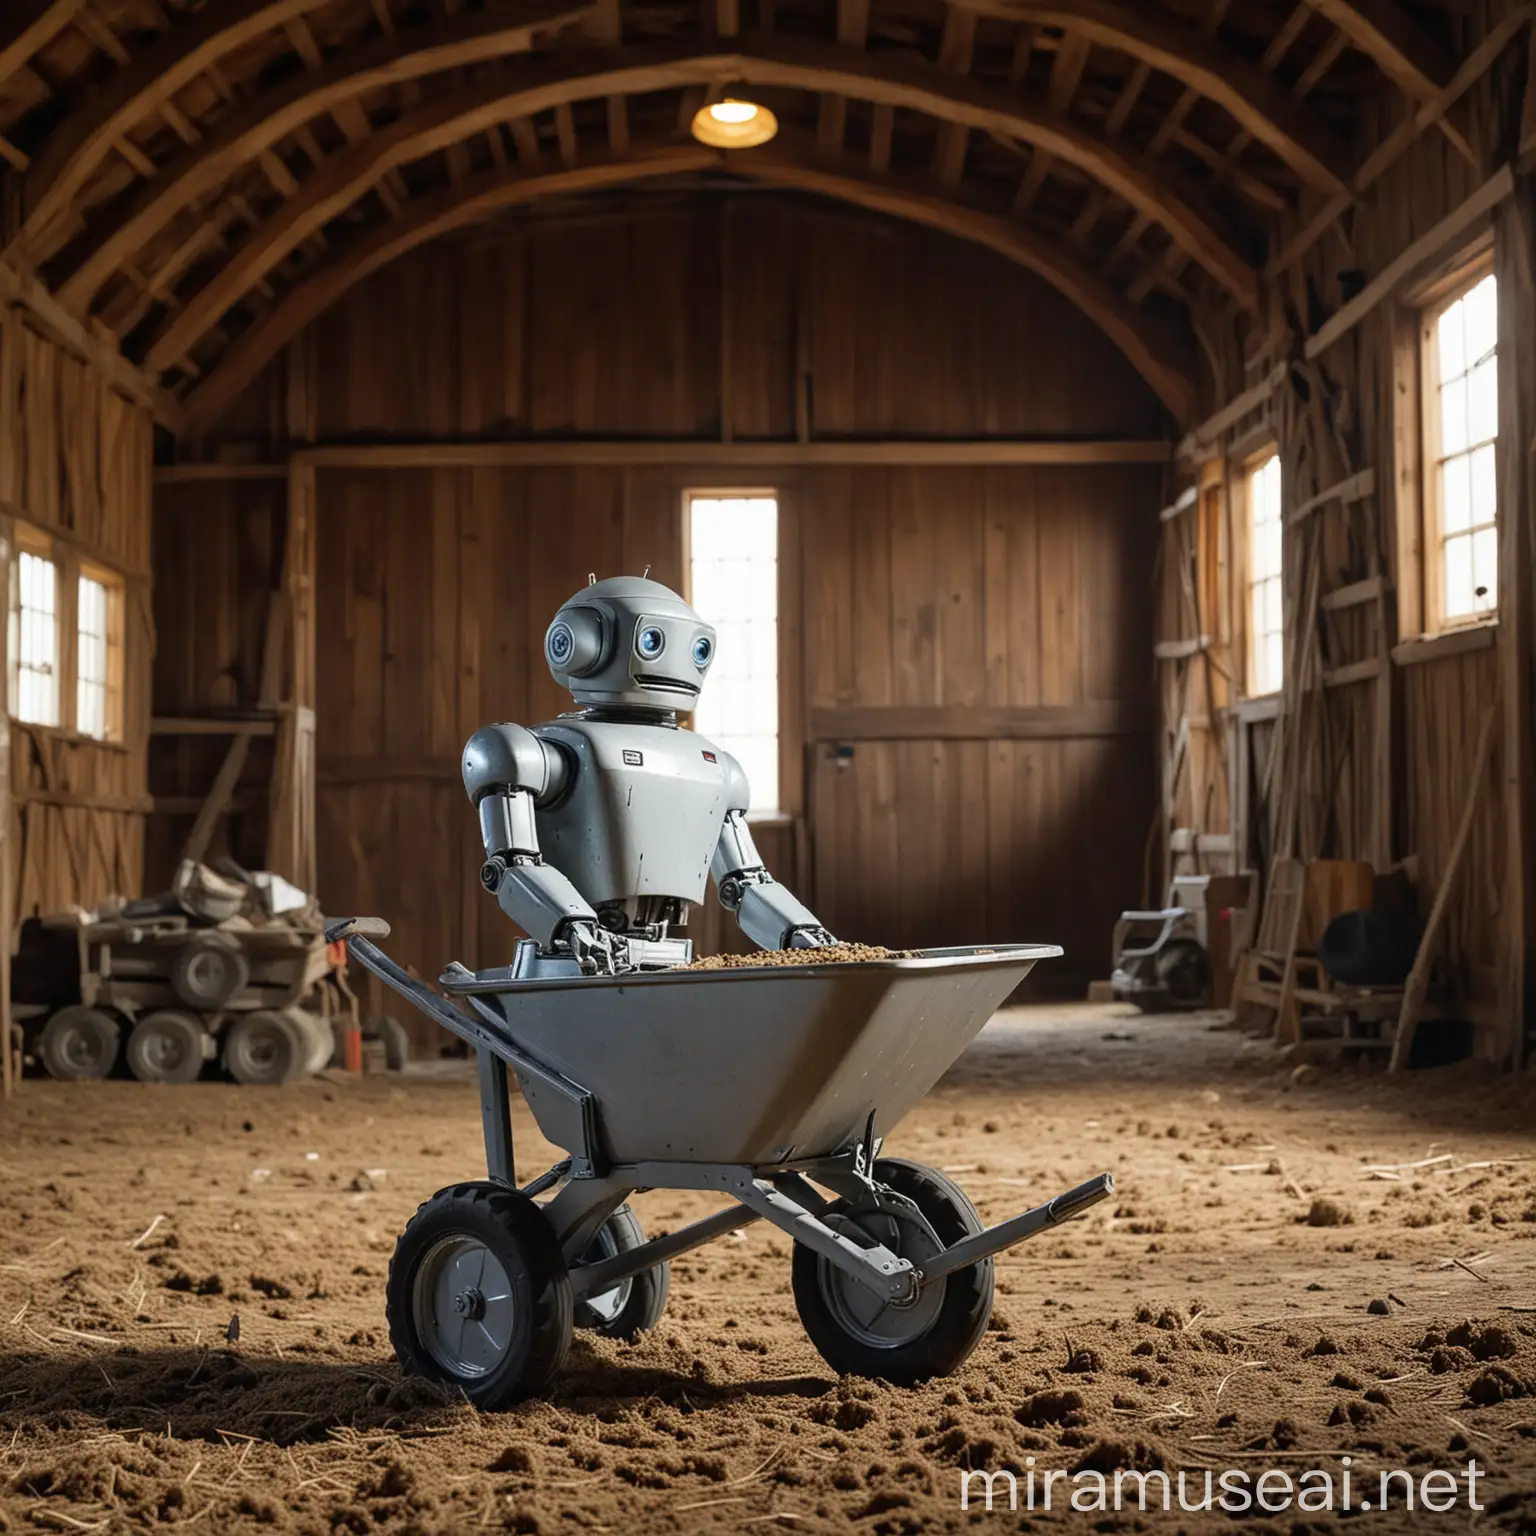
x,y
591,578
646,572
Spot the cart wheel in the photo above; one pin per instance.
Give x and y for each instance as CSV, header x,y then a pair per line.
x,y
635,1304
397,1042
319,1040
265,1048
208,972
167,1047
79,1042
478,1295
859,1334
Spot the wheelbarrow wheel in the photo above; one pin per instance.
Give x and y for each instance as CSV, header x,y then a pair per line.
x,y
635,1304
478,1297
856,1332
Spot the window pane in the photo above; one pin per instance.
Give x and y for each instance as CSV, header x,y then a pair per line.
x,y
735,587
1456,494
1485,569
1483,401
1484,494
35,639
1482,320
1458,576
1450,341
1453,416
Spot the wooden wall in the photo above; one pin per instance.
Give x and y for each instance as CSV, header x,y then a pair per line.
x,y
1388,766
963,652
75,465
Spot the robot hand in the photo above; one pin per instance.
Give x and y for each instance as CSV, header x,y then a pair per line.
x,y
810,938
597,952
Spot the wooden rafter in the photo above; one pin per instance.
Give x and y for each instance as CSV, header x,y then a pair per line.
x,y
254,127
955,50
832,111
1393,41
1193,57
456,207
773,61
29,25
88,134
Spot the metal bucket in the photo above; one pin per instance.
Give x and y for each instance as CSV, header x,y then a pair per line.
x,y
760,1065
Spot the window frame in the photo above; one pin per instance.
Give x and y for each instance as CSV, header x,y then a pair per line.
x,y
1246,467
788,795
1432,304
26,540
70,563
114,684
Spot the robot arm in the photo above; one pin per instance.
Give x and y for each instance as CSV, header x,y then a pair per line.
x,y
508,771
769,913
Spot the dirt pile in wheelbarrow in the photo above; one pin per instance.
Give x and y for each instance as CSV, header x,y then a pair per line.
x,y
826,954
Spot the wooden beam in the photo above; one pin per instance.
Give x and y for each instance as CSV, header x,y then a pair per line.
x,y
1430,246
1356,488
1352,672
832,111
458,207
1454,642
211,725
1355,594
1215,426
956,722
1182,650
1471,70
87,135
51,317
30,25
622,452
1159,41
1399,47
252,128
771,61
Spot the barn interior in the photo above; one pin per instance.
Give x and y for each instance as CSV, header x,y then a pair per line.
x,y
1101,436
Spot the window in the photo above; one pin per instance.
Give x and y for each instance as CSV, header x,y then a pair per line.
x,y
1461,424
1266,621
34,639
734,585
99,656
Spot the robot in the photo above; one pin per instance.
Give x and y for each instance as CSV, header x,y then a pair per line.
x,y
602,826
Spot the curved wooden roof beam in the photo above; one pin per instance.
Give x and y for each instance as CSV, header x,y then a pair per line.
x,y
251,129
771,61
473,201
1255,99
30,27
84,138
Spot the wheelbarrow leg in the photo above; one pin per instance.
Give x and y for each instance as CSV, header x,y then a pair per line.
x,y
496,1115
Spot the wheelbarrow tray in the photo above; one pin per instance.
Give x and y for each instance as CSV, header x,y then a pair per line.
x,y
757,1065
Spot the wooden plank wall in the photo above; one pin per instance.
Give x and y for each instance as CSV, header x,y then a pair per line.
x,y
1400,798
75,464
967,598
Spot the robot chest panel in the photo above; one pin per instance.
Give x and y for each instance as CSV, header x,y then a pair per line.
x,y
643,813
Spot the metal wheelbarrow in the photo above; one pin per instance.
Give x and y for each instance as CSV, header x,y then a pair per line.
x,y
767,1085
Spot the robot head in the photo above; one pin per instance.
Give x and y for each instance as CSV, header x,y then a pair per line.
x,y
630,642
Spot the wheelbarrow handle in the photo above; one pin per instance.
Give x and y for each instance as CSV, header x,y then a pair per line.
x,y
345,927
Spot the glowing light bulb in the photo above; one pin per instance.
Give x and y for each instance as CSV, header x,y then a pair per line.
x,y
734,124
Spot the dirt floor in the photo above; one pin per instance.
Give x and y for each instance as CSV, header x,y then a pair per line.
x,y
1298,1267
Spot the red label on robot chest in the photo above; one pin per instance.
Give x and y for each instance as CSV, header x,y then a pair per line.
x,y
709,757
633,758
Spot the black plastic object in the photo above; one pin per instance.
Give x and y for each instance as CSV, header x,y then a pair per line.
x,y
1369,948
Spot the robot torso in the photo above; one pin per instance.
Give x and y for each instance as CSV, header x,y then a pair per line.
x,y
641,810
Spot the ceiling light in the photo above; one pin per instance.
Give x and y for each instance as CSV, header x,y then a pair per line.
x,y
734,124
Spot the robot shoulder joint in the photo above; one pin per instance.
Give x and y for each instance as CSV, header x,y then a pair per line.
x,y
506,756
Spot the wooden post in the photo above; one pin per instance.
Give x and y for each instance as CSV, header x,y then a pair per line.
x,y
291,840
1417,984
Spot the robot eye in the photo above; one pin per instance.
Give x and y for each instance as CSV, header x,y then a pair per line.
x,y
560,644
703,649
649,642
